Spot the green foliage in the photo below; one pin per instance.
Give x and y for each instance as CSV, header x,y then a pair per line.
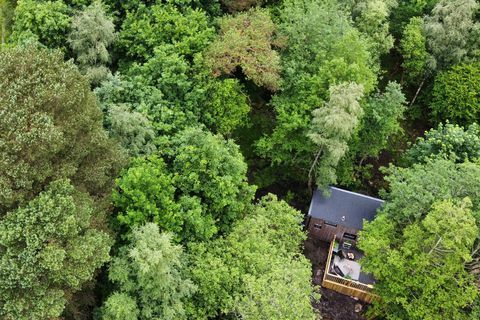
x,y
203,188
92,32
131,129
371,18
332,126
120,306
45,21
175,93
211,168
51,128
149,275
419,248
414,190
456,95
48,250
146,28
240,5
449,30
246,42
323,49
256,271
221,105
417,62
448,141
408,9
420,270
145,193
382,118
6,16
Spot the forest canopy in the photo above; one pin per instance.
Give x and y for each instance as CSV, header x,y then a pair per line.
x,y
158,157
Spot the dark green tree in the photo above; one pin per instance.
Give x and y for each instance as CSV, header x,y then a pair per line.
x,y
51,128
456,95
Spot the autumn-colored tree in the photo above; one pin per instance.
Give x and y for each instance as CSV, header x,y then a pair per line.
x,y
245,42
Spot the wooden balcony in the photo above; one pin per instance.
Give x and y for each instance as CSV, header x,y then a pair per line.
x,y
346,286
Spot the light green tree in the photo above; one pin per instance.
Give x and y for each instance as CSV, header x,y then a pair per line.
x,y
150,279
132,129
92,32
418,64
48,250
257,271
245,42
421,269
371,17
449,29
45,21
447,141
332,126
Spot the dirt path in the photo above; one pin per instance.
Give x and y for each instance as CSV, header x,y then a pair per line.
x,y
332,305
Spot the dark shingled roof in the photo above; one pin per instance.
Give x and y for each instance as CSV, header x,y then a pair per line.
x,y
344,207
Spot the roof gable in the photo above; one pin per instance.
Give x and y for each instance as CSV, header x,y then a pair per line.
x,y
344,207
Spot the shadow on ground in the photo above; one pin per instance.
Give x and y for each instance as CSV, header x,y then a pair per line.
x,y
332,305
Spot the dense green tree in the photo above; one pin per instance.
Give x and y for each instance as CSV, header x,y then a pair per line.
x,y
45,21
245,42
417,61
131,129
322,49
456,95
408,9
48,250
413,190
149,274
420,270
332,126
145,193
202,189
255,272
382,118
120,306
371,18
91,35
145,28
449,29
211,168
427,203
51,127
447,141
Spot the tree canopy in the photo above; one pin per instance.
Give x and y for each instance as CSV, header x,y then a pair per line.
x,y
48,250
51,128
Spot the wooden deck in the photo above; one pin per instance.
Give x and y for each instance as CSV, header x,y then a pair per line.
x,y
345,286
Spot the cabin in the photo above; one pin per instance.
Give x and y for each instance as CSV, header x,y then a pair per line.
x,y
337,218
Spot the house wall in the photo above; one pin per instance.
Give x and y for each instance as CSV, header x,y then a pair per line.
x,y
327,232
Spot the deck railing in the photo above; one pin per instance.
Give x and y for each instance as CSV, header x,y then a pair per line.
x,y
346,286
